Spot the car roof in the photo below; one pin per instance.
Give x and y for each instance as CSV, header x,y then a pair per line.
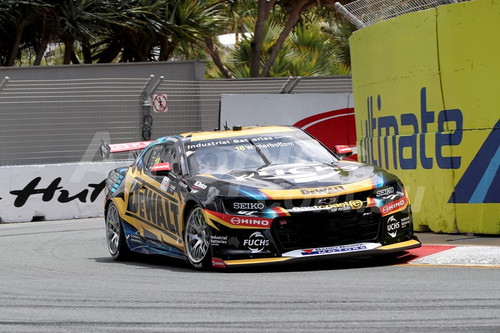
x,y
235,132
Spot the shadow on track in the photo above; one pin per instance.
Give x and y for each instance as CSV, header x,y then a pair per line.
x,y
178,265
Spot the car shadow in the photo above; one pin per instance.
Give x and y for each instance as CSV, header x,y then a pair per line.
x,y
149,261
178,265
330,264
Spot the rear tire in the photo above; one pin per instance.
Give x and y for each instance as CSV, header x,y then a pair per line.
x,y
115,237
197,240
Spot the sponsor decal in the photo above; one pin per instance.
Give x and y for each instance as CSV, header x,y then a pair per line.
x,y
218,263
323,190
305,173
236,220
55,190
392,226
334,249
240,222
153,206
161,167
384,191
394,206
382,126
135,238
129,146
265,146
218,240
327,201
248,205
165,183
201,185
334,207
405,221
256,242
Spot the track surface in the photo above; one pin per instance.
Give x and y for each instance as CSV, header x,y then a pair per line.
x,y
58,277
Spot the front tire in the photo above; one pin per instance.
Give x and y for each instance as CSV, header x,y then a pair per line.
x,y
115,237
197,240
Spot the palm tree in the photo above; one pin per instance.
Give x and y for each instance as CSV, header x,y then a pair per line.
x,y
308,51
15,17
78,21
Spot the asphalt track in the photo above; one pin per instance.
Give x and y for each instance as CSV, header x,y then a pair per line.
x,y
58,277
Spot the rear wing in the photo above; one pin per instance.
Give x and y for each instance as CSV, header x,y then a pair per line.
x,y
107,149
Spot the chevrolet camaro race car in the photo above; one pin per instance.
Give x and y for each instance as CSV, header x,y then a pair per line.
x,y
256,195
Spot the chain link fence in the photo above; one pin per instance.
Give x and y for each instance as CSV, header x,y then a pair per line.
x,y
58,121
363,13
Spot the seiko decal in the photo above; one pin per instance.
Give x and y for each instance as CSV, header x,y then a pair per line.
x,y
385,191
256,242
248,205
392,226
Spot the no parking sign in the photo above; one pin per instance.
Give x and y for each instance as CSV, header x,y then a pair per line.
x,y
160,103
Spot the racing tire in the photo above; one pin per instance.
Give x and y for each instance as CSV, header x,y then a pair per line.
x,y
197,244
115,236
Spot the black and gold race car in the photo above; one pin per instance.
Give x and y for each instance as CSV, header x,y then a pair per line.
x,y
247,196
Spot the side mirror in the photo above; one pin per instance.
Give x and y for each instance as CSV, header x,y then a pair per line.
x,y
342,151
161,169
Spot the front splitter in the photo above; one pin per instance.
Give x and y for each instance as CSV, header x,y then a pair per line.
x,y
341,251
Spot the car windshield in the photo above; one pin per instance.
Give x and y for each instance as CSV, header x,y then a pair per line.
x,y
250,153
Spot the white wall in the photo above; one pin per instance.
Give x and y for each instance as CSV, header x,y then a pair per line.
x,y
53,191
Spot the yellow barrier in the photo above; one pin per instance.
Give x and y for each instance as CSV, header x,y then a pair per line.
x,y
426,103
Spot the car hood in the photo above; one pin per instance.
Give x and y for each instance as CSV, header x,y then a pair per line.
x,y
293,176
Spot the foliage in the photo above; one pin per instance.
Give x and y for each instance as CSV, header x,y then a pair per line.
x,y
274,37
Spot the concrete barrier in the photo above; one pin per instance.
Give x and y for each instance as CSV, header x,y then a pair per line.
x,y
426,102
53,191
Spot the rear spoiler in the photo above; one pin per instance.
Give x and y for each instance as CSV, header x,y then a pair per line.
x,y
107,149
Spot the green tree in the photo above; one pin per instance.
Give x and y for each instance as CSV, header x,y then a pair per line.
x,y
310,50
15,17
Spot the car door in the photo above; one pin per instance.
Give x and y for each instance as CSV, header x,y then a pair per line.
x,y
163,174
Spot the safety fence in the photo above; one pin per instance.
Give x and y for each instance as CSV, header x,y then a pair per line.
x,y
363,13
59,121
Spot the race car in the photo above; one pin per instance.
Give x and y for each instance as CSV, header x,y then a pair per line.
x,y
250,196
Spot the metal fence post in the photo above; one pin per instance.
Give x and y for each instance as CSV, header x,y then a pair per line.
x,y
4,82
147,104
353,19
